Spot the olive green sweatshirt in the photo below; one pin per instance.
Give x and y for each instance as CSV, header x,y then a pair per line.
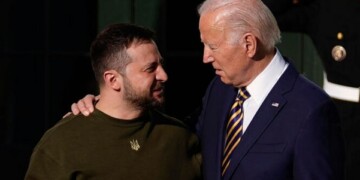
x,y
154,146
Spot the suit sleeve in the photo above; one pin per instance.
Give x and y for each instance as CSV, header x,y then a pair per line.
x,y
319,147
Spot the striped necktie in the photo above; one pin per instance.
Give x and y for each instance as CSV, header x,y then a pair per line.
x,y
234,128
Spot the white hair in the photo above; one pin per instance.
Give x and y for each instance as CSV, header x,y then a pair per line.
x,y
242,16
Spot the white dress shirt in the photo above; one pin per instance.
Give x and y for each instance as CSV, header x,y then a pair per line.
x,y
260,87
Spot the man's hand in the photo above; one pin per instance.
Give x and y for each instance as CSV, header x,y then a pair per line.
x,y
84,106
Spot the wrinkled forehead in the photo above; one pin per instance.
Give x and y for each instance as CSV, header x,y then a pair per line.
x,y
214,20
211,24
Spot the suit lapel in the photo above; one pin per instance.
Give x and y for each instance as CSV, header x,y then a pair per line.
x,y
215,125
267,112
224,112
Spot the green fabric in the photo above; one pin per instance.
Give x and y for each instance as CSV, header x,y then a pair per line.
x,y
98,147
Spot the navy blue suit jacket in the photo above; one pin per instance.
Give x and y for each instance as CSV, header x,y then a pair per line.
x,y
294,135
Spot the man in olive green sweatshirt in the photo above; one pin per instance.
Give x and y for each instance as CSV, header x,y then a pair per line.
x,y
126,137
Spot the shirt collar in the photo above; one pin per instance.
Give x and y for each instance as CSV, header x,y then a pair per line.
x,y
260,87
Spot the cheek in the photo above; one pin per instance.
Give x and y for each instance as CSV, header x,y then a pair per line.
x,y
232,62
139,83
226,58
145,83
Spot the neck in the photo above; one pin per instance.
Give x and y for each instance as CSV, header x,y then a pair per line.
x,y
259,62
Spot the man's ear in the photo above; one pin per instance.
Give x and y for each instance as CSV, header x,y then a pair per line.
x,y
250,44
113,79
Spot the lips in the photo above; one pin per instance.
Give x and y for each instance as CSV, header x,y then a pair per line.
x,y
217,71
158,89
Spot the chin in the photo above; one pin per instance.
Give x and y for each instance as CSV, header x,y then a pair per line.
x,y
157,104
225,81
158,98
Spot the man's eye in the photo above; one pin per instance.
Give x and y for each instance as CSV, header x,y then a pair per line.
x,y
211,47
151,69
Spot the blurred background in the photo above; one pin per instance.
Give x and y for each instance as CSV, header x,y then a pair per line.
x,y
45,66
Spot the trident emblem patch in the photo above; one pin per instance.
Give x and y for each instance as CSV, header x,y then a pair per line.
x,y
134,144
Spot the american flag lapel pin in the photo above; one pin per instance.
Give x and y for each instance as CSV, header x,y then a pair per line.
x,y
275,104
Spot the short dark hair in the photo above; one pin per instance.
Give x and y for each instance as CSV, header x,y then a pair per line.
x,y
108,50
